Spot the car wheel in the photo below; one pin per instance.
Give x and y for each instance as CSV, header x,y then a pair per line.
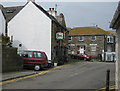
x,y
37,67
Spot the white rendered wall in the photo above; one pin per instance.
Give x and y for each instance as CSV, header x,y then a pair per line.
x,y
2,23
31,28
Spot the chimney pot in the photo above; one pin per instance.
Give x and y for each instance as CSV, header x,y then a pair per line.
x,y
52,8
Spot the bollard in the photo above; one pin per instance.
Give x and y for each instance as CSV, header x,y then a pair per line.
x,y
107,80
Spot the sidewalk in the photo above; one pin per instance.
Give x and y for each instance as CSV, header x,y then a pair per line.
x,y
10,75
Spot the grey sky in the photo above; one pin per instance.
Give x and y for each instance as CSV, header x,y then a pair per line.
x,y
81,14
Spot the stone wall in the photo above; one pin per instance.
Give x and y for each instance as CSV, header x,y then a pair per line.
x,y
10,60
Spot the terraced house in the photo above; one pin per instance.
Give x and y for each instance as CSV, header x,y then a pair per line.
x,y
92,41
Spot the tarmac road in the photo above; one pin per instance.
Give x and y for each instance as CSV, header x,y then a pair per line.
x,y
80,75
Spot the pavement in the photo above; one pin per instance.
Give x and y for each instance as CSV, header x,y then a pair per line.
x,y
10,75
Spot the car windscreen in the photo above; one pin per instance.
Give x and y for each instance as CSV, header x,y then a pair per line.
x,y
45,56
27,54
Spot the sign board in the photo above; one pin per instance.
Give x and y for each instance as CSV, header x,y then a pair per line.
x,y
59,35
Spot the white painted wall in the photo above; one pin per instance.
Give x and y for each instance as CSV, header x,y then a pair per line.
x,y
2,23
31,28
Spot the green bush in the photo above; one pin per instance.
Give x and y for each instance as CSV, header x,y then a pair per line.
x,y
5,40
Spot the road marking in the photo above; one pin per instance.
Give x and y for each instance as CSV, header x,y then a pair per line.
x,y
37,74
103,89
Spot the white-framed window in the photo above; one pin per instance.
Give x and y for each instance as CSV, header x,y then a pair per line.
x,y
81,38
69,38
110,39
93,47
69,48
93,38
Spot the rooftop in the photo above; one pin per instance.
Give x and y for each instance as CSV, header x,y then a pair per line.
x,y
89,31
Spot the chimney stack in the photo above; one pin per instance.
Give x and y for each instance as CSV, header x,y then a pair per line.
x,y
52,12
31,0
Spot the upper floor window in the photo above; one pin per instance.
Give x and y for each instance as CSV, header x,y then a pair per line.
x,y
81,38
93,38
110,39
69,38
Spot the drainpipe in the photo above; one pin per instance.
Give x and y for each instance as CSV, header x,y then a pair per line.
x,y
104,48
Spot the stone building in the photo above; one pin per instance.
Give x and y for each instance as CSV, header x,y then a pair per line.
x,y
92,41
115,24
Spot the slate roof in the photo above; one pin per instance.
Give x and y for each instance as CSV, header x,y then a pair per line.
x,y
89,31
10,12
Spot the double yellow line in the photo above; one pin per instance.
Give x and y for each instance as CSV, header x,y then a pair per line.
x,y
37,74
103,89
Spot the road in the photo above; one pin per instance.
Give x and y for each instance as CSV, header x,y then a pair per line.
x,y
80,75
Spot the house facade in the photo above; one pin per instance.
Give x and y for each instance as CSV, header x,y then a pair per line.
x,y
91,41
2,21
30,27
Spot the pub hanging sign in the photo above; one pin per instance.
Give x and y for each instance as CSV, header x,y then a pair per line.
x,y
59,35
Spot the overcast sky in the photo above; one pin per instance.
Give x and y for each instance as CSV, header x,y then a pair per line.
x,y
81,14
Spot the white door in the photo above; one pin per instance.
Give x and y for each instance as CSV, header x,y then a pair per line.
x,y
82,49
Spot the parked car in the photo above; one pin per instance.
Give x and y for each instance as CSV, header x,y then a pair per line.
x,y
34,59
81,57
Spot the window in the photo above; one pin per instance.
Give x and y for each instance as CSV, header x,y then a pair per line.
x,y
69,48
81,38
27,54
19,53
93,47
37,55
69,38
10,11
110,39
93,38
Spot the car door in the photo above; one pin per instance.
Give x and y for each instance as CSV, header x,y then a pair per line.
x,y
28,57
38,58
